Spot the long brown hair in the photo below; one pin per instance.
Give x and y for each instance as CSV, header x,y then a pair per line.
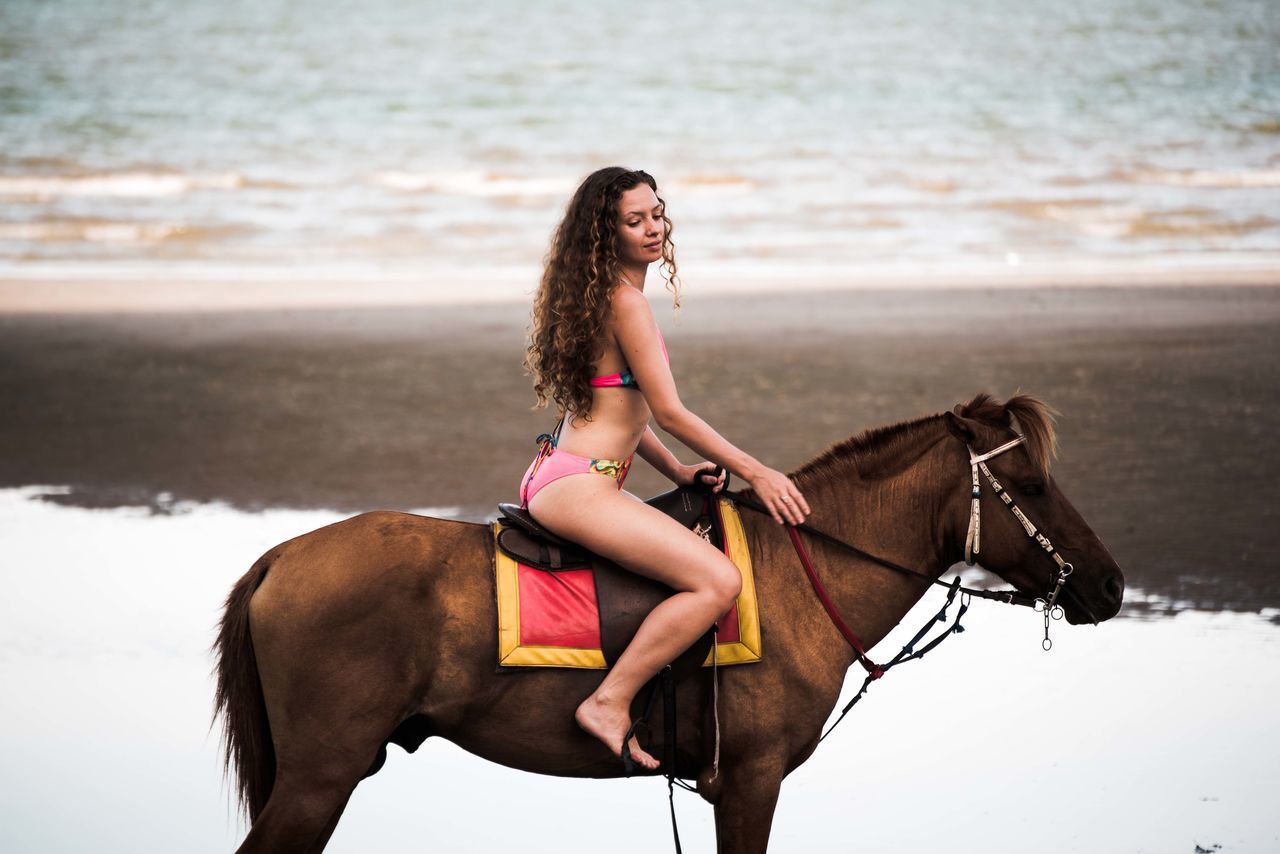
x,y
581,270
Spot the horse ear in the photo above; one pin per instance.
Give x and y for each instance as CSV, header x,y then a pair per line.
x,y
960,426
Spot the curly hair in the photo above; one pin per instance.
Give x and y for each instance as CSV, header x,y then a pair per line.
x,y
581,269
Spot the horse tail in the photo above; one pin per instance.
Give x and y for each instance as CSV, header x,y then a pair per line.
x,y
246,732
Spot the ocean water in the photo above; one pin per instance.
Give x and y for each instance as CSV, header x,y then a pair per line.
x,y
1136,735
393,138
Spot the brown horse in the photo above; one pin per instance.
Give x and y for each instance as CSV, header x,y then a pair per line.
x,y
382,628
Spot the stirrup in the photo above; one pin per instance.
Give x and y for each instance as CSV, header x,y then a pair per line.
x,y
629,763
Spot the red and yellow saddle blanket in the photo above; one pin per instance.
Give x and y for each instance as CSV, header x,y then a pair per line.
x,y
552,619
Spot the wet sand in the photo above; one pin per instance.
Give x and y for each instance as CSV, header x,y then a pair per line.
x,y
1168,398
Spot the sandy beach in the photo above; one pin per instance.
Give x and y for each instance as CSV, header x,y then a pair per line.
x,y
1167,397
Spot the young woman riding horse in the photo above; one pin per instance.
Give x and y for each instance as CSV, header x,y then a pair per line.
x,y
595,350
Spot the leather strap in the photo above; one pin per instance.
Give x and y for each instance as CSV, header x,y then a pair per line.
x,y
1009,597
669,748
874,670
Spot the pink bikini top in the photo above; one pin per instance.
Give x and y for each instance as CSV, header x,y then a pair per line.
x,y
624,379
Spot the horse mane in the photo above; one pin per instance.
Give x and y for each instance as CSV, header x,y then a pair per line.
x,y
1034,420
868,451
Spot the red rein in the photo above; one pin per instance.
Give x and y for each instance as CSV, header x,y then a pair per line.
x,y
875,670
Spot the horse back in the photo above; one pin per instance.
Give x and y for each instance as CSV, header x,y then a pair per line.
x,y
381,591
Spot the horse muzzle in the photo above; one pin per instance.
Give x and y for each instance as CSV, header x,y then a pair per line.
x,y
1102,605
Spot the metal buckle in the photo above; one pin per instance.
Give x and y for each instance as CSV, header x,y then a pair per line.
x,y
1050,607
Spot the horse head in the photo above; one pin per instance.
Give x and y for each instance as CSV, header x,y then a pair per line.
x,y
1016,518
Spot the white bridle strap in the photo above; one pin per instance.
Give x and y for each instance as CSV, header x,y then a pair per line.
x,y
974,460
973,539
1049,604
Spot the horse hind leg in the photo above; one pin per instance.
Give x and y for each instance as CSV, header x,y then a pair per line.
x,y
409,735
315,777
305,805
323,839
319,762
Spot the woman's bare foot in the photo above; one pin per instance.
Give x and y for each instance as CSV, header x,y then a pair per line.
x,y
609,723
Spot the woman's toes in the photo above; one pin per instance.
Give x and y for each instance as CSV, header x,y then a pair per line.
x,y
642,757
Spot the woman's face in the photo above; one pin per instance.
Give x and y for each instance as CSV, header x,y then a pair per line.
x,y
641,227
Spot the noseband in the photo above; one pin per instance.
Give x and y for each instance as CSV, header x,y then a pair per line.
x,y
972,541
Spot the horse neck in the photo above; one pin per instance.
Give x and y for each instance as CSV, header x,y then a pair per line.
x,y
898,517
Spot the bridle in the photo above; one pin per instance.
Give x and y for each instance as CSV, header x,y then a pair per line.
x,y
972,542
1046,604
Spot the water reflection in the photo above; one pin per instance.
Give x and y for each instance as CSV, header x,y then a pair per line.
x,y
1140,734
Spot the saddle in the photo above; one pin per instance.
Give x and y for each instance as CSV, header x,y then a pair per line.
x,y
625,598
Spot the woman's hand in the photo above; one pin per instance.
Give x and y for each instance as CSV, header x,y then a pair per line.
x,y
688,476
780,496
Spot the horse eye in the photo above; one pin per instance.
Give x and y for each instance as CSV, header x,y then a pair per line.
x,y
1031,489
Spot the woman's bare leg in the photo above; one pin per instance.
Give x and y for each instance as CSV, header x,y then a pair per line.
x,y
589,509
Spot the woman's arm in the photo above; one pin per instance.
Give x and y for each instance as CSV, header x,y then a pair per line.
x,y
699,436
637,336
658,455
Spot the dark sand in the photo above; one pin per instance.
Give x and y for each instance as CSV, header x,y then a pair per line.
x,y
1168,395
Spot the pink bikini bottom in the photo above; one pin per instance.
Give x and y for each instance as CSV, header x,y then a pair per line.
x,y
552,464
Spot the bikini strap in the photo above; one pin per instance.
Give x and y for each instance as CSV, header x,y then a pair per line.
x,y
546,444
555,434
553,437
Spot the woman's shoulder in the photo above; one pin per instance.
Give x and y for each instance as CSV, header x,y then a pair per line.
x,y
627,301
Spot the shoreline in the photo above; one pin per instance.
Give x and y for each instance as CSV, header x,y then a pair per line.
x,y
158,292
1167,398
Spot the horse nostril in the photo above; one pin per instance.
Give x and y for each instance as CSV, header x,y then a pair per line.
x,y
1114,588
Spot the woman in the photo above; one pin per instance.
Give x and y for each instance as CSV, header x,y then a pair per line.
x,y
595,350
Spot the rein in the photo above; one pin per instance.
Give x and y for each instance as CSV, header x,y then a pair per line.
x,y
1010,597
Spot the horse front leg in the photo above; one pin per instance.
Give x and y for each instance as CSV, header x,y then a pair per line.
x,y
744,808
